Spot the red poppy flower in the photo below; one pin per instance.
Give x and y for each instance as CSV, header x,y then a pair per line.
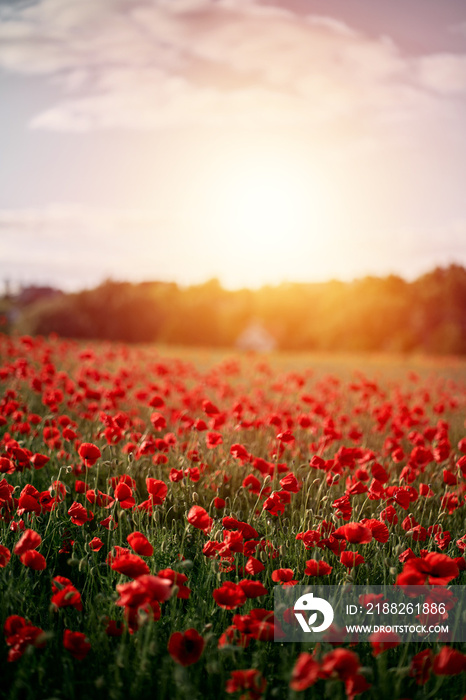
x,y
5,556
77,644
246,530
449,662
305,672
283,576
28,540
355,533
124,496
252,483
89,453
209,408
229,596
286,436
233,636
29,503
239,452
274,504
213,440
253,566
341,663
175,475
421,665
351,559
80,486
355,685
116,551
186,648
157,490
38,461
264,626
60,490
109,523
6,465
144,589
418,533
158,421
140,544
19,634
381,641
389,515
290,483
33,560
443,539
334,545
343,507
250,680
232,542
178,580
317,568
65,594
96,544
379,530
309,538
103,500
398,496
78,514
425,490
437,569
253,589
198,517
130,565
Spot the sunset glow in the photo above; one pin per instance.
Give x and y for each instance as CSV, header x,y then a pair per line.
x,y
262,213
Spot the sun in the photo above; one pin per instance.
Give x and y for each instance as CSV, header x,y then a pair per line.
x,y
262,215
265,215
264,208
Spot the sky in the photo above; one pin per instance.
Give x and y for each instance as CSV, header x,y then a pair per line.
x,y
249,141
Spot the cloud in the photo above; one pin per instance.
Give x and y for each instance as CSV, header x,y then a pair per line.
x,y
333,24
56,220
75,246
444,73
140,64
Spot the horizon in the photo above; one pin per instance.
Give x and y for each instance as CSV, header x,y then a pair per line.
x,y
12,289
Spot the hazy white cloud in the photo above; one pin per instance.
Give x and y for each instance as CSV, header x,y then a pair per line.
x,y
74,246
54,220
445,73
333,24
142,64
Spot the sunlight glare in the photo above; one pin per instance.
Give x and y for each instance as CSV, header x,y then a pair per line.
x,y
264,218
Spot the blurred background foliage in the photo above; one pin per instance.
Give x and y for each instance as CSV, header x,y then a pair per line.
x,y
370,314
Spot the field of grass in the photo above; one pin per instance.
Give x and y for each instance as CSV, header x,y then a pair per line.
x,y
151,500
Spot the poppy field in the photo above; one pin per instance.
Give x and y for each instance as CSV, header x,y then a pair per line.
x,y
150,502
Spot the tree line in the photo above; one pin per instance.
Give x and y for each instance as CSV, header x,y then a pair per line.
x,y
369,314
